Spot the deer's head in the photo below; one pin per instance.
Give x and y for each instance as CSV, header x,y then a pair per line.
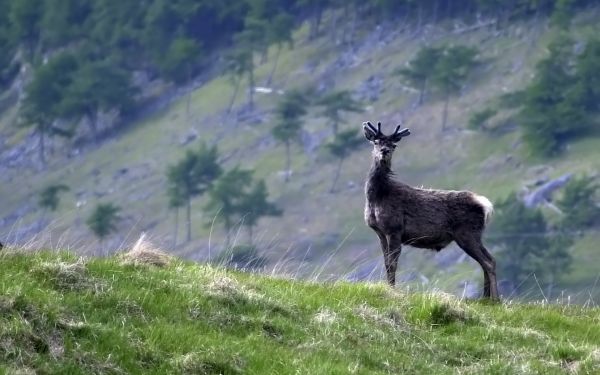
x,y
383,145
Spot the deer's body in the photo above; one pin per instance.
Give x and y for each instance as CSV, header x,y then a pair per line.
x,y
422,218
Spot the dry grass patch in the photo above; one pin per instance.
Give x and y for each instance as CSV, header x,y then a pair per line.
x,y
145,253
391,318
65,276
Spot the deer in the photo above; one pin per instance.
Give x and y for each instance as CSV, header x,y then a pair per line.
x,y
422,218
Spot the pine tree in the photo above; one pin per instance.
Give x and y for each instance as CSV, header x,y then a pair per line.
x,y
451,71
43,98
579,203
238,63
255,205
103,220
190,177
553,109
179,62
341,147
96,86
50,196
335,103
290,111
226,197
527,245
421,69
279,33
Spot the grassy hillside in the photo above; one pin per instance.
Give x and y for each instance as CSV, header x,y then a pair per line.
x,y
129,169
64,314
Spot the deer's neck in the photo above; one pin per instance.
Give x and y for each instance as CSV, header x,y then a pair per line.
x,y
379,180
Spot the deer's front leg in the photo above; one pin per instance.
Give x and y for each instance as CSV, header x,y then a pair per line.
x,y
394,249
384,248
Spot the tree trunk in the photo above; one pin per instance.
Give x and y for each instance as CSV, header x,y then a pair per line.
x,y
93,121
419,16
288,161
435,11
176,231
422,93
272,73
315,22
42,147
335,127
353,25
445,114
334,20
318,19
187,105
264,55
189,219
337,175
251,88
236,89
189,96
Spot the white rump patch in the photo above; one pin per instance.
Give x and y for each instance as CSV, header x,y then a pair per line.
x,y
488,207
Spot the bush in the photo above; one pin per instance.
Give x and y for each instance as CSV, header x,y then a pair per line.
x,y
478,120
578,203
529,247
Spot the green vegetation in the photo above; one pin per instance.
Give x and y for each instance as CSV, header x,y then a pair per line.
x,y
342,145
290,111
94,88
558,105
478,120
60,314
337,102
50,196
578,204
233,199
103,220
530,253
450,72
446,67
41,106
190,177
420,69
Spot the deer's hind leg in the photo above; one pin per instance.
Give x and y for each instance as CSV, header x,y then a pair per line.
x,y
471,244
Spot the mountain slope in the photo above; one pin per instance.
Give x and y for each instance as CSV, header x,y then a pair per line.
x,y
129,170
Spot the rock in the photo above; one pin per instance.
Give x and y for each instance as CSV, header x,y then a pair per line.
x,y
121,172
191,136
543,194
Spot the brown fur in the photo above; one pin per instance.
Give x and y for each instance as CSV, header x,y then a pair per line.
x,y
422,218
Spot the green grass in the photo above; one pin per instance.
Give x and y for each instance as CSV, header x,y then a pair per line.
x,y
62,314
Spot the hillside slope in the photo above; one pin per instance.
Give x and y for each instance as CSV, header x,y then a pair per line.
x,y
317,226
63,314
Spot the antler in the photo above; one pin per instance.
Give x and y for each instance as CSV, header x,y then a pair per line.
x,y
376,131
401,133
